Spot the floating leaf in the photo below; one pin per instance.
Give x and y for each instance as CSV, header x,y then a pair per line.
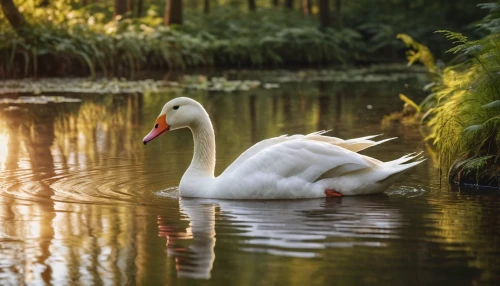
x,y
39,100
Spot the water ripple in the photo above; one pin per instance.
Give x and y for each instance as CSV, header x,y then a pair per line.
x,y
121,183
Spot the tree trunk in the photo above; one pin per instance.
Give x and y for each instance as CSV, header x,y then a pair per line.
x,y
338,13
15,18
251,5
120,7
276,3
408,4
130,6
306,7
289,4
324,13
173,12
206,6
139,8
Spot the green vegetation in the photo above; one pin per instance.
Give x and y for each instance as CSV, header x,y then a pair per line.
x,y
463,110
67,37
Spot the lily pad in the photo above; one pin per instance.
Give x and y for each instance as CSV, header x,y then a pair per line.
x,y
38,100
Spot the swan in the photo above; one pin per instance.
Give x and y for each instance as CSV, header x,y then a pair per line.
x,y
285,167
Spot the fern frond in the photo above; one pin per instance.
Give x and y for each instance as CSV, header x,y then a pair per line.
x,y
458,38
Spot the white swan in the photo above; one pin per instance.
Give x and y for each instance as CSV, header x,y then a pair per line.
x,y
286,167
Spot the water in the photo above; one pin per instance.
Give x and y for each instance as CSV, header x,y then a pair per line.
x,y
83,201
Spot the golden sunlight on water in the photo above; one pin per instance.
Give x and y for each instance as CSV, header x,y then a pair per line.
x,y
82,201
4,149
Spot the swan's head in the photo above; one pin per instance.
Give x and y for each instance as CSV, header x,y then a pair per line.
x,y
178,113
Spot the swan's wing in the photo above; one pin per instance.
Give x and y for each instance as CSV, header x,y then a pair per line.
x,y
256,148
355,145
298,159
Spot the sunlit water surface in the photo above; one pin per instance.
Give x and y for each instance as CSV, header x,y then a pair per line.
x,y
82,200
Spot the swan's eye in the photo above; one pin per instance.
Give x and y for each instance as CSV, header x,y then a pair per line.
x,y
156,125
176,107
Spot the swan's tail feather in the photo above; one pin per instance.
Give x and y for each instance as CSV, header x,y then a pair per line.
x,y
360,144
363,138
364,144
320,132
398,169
355,144
405,158
385,140
406,166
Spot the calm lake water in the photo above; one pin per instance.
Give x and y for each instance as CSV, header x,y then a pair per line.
x,y
83,201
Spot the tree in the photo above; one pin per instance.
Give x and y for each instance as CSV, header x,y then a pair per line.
x,y
130,5
324,13
15,18
120,7
306,7
276,3
338,14
206,6
173,12
289,4
251,5
139,8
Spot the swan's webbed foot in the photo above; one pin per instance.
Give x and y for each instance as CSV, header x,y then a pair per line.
x,y
332,193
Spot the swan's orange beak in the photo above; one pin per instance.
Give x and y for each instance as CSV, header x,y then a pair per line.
x,y
161,127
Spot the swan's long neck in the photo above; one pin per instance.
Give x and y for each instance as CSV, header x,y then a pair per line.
x,y
203,163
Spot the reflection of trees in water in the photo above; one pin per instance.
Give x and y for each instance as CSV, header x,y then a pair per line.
x,y
11,125
472,220
60,135
93,244
70,134
35,134
99,128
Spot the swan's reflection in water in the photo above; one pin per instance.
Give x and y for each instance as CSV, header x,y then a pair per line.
x,y
195,260
296,228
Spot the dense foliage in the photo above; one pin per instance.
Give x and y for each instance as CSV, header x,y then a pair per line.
x,y
68,37
463,110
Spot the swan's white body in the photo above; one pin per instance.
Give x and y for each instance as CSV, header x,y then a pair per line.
x,y
286,167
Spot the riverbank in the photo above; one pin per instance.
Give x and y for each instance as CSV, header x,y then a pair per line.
x,y
89,41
